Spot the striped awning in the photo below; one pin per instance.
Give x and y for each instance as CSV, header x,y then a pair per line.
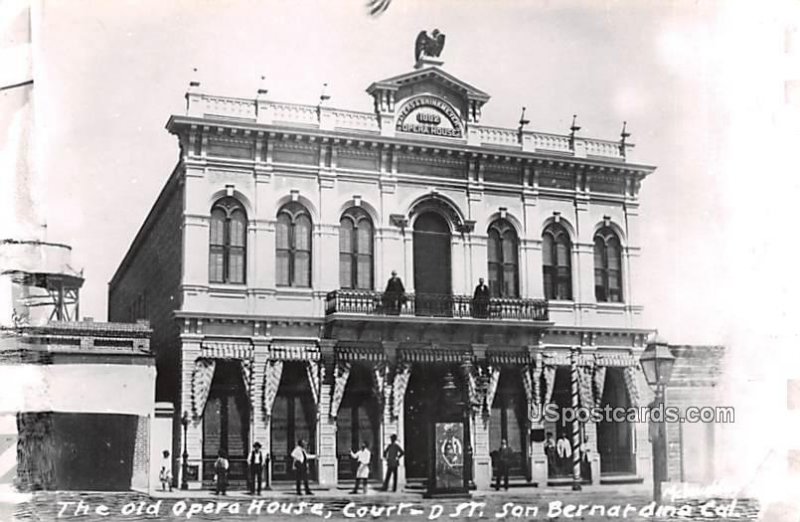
x,y
226,350
498,357
563,359
280,351
433,356
616,359
359,353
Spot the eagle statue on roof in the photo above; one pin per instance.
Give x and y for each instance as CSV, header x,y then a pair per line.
x,y
429,45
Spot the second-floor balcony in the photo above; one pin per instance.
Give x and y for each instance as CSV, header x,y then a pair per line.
x,y
371,303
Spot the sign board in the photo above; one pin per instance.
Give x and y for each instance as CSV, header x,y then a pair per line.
x,y
449,455
429,115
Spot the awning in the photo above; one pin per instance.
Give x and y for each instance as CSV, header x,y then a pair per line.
x,y
226,350
280,351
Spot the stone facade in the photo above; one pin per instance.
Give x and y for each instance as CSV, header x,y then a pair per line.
x,y
423,152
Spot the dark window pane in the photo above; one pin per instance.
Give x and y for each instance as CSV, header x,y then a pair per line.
x,y
282,268
495,254
509,247
364,273
302,269
345,271
364,237
215,266
282,231
345,235
548,283
510,280
547,250
236,266
217,227
495,274
238,230
302,231
562,254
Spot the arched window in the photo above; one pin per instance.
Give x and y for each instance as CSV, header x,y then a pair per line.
x,y
556,256
503,264
607,266
355,250
227,242
293,246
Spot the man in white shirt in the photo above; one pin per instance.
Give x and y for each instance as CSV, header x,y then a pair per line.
x,y
564,451
256,464
363,456
300,460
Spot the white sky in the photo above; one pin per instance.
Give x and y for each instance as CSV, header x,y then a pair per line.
x,y
111,73
700,84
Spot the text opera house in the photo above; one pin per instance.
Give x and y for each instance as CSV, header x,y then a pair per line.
x,y
262,264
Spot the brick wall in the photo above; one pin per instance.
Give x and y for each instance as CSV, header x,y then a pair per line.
x,y
151,272
691,447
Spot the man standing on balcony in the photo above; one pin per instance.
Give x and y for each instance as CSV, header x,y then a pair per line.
x,y
480,300
394,296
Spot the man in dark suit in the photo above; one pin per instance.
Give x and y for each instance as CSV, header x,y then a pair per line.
x,y
392,454
504,457
394,296
256,464
480,300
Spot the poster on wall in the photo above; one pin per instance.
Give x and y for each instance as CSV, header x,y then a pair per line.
x,y
449,455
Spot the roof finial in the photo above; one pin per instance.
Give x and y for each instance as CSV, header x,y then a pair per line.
x,y
194,81
324,96
522,121
572,130
624,135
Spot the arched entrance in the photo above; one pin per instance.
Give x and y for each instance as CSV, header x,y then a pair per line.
x,y
293,418
358,421
432,279
508,420
615,439
226,423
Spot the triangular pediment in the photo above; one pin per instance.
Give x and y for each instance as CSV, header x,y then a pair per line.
x,y
433,76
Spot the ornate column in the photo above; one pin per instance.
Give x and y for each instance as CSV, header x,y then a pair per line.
x,y
389,423
482,462
261,431
326,427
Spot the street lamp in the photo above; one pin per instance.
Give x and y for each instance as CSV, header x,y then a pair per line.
x,y
185,463
657,362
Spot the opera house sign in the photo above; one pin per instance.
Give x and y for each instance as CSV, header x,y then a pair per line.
x,y
429,115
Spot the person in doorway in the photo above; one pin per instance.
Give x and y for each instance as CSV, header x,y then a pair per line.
x,y
256,464
550,452
221,466
480,300
300,460
395,295
393,453
504,456
165,473
564,452
363,456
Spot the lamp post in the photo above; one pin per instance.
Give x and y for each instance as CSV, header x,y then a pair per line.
x,y
657,362
185,463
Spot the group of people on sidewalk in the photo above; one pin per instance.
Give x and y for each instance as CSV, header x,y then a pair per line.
x,y
300,462
394,297
559,456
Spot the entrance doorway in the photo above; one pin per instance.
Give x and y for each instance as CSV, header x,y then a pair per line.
x,y
226,423
435,394
508,421
615,439
293,418
432,280
358,421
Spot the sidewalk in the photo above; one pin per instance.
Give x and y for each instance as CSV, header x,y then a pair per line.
x,y
283,492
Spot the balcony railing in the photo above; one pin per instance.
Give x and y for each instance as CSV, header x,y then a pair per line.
x,y
365,302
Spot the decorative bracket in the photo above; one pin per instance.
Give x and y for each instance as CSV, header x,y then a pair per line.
x,y
399,220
